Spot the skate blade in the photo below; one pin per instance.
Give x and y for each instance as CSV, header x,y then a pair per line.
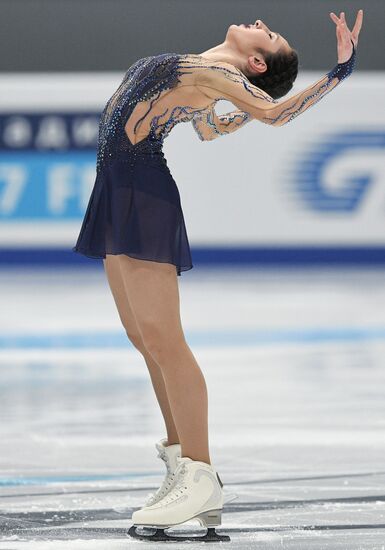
x,y
160,535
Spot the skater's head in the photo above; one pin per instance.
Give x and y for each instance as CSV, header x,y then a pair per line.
x,y
264,56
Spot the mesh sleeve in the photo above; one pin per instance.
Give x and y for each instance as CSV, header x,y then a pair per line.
x,y
208,125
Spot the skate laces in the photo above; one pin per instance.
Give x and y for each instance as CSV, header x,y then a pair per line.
x,y
167,482
179,486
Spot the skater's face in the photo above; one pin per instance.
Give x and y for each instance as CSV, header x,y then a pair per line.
x,y
248,39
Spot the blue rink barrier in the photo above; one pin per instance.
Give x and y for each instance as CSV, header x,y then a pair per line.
x,y
301,255
208,338
47,480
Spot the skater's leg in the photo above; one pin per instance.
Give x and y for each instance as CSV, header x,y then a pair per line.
x,y
115,280
152,290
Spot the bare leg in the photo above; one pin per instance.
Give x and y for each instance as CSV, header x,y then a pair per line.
x,y
114,277
152,291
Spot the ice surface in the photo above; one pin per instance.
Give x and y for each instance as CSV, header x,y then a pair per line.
x,y
294,367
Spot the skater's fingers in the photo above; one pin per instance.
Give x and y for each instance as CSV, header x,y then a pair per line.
x,y
358,23
334,18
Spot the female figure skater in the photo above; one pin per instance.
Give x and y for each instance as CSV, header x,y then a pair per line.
x,y
134,221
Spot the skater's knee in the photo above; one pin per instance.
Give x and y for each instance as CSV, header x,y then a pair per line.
x,y
136,339
161,342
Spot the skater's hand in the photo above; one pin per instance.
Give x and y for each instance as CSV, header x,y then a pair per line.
x,y
345,36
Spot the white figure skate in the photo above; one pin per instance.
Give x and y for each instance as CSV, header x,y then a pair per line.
x,y
196,494
169,454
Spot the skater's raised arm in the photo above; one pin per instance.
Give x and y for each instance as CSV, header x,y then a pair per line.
x,y
236,88
222,80
208,125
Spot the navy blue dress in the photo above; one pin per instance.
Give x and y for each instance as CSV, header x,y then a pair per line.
x,y
135,207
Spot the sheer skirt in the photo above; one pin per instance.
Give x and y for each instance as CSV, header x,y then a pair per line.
x,y
135,209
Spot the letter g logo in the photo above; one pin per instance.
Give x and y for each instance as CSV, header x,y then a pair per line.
x,y
337,174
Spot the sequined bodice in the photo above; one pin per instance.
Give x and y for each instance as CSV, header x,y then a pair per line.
x,y
144,81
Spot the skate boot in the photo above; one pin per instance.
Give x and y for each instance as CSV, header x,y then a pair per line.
x,y
196,494
168,453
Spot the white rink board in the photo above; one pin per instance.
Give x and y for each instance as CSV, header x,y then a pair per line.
x,y
319,180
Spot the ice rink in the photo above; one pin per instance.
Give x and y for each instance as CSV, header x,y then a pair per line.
x,y
294,365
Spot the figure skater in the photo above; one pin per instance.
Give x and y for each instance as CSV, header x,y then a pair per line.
x,y
134,222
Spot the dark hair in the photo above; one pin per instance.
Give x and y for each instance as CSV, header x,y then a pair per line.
x,y
281,72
